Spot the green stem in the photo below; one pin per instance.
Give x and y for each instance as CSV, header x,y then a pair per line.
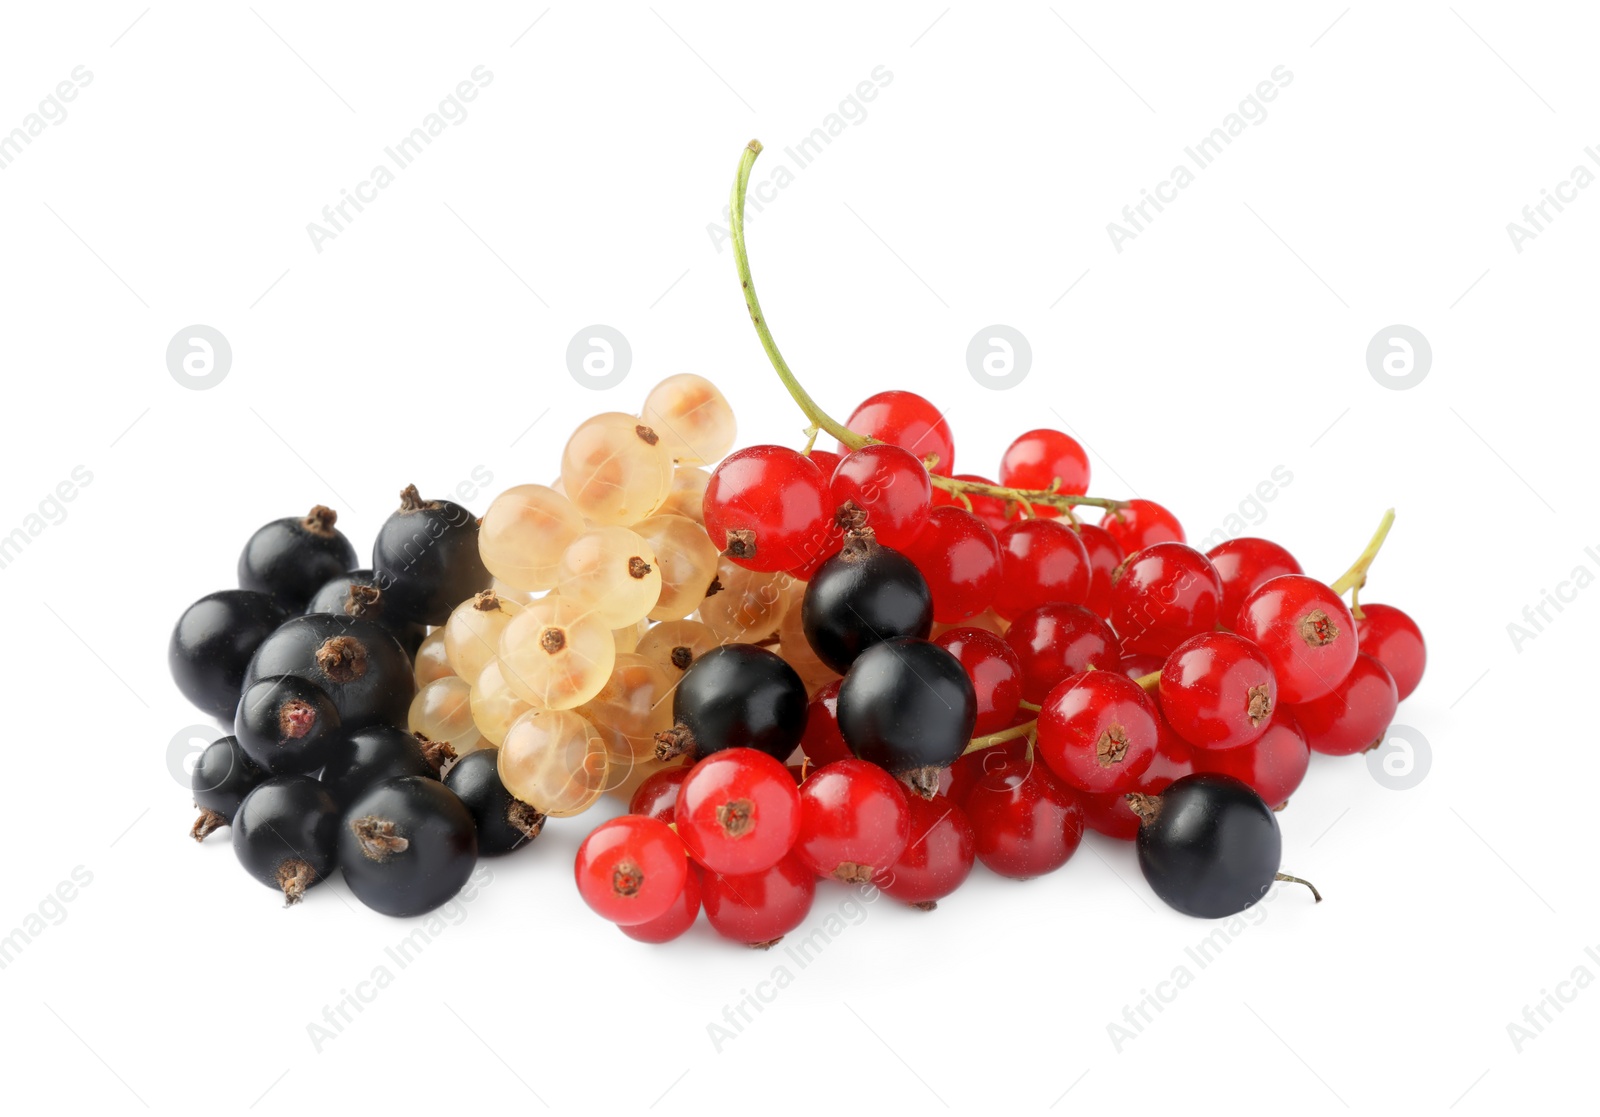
x,y
1063,501
1026,729
1356,576
1149,682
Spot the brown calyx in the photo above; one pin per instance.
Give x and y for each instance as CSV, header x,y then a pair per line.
x,y
379,838
1147,807
925,905
1259,703
552,640
736,817
681,657
486,601
647,434
852,873
674,742
859,542
1317,629
361,599
714,588
1111,747
343,659
626,878
411,500
522,817
638,568
741,544
440,755
320,520
850,516
207,824
294,877
923,781
296,718
768,945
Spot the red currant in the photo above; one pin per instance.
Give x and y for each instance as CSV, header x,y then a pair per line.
x,y
958,780
995,673
1217,691
1042,458
1139,523
1242,565
1040,561
1162,595
677,919
738,811
1354,715
1274,764
825,460
631,869
1110,814
1306,632
994,512
822,743
906,420
938,857
1097,731
768,508
657,796
1025,822
1054,641
853,821
960,559
758,909
1394,640
1138,665
1105,555
889,490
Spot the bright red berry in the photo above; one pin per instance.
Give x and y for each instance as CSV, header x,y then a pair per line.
x,y
1025,822
1042,458
823,743
1040,561
738,811
631,869
1242,565
1139,523
657,796
884,488
1306,632
995,673
938,857
758,909
1163,595
1110,814
1274,764
1354,715
1105,555
1217,691
1097,731
994,512
677,919
906,420
960,559
853,821
768,508
1394,640
825,460
1054,641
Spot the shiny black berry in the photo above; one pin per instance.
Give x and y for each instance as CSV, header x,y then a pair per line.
x,y
366,673
292,558
286,724
736,696
863,595
286,834
222,776
407,845
907,705
504,822
212,644
360,593
369,756
428,552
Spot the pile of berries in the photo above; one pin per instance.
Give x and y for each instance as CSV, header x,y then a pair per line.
x,y
853,665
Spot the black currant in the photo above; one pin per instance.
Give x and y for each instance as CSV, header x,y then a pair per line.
x,y
364,757
360,593
222,776
286,724
865,594
504,821
736,696
212,644
1209,845
292,558
907,705
428,553
286,834
407,845
366,673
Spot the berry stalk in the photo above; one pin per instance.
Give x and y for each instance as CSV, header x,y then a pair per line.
x,y
1356,576
1026,729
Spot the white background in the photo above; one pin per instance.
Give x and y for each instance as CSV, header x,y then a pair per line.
x,y
1227,339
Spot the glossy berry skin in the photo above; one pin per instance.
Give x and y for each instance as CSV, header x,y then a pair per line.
x,y
826,461
631,869
884,488
906,420
427,550
1105,555
758,909
504,823
1394,640
360,593
366,673
1273,766
1163,595
994,512
1140,523
290,559
675,921
1354,715
1243,564
285,834
1042,458
223,774
995,671
1212,848
853,821
286,724
865,594
363,757
1217,691
739,696
1054,641
1041,561
908,707
407,845
768,508
937,859
822,743
738,812
960,559
1306,632
1025,822
657,796
1175,758
956,781
212,644
1097,732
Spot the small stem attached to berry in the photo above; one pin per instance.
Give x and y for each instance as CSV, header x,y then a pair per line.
x,y
1025,497
1026,729
1297,880
1357,574
1149,682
